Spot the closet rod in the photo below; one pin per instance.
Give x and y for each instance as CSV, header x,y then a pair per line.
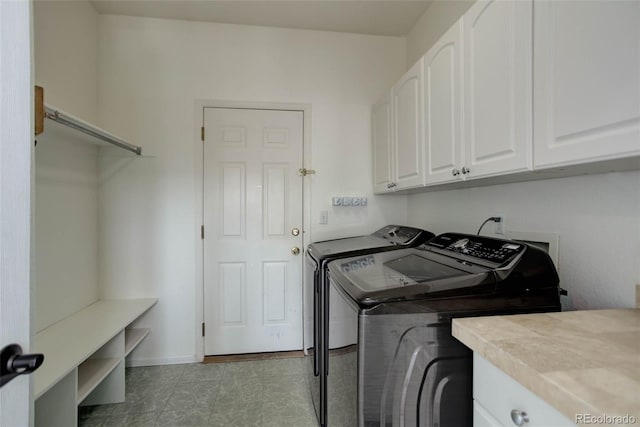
x,y
79,125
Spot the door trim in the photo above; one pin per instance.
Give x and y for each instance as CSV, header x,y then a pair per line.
x,y
16,188
198,159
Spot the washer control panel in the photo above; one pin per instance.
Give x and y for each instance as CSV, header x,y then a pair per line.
x,y
485,248
400,235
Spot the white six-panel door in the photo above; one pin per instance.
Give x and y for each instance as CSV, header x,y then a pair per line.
x,y
252,203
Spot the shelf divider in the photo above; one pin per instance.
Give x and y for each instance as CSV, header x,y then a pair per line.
x,y
133,337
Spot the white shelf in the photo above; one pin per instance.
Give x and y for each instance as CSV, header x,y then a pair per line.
x,y
91,373
133,337
84,358
69,342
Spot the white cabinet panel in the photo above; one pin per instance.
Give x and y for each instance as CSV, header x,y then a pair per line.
x,y
382,148
482,418
443,108
498,86
499,394
407,136
587,80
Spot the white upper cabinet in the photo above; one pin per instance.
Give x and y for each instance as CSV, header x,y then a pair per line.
x,y
498,86
497,97
382,148
443,108
587,81
407,130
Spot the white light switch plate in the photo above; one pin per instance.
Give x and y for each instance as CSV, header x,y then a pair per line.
x,y
324,217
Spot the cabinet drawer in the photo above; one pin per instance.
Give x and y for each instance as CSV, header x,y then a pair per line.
x,y
499,394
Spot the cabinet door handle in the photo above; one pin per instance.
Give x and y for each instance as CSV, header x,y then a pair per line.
x,y
455,172
465,170
519,417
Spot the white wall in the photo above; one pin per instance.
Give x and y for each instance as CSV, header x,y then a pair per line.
x,y
151,74
66,206
434,22
66,58
597,218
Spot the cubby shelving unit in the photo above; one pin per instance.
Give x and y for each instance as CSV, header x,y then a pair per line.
x,y
85,359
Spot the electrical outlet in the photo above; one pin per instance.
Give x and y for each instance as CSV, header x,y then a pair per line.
x,y
499,226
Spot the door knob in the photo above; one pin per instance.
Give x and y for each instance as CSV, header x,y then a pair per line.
x,y
14,363
295,250
295,231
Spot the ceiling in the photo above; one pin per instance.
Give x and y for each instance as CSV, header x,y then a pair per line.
x,y
378,17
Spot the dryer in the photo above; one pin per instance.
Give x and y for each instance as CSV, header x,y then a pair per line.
x,y
400,365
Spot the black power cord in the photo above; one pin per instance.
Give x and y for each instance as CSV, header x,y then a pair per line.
x,y
492,218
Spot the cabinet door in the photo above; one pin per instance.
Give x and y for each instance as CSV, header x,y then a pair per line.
x,y
443,108
498,86
496,394
407,137
586,75
482,418
382,150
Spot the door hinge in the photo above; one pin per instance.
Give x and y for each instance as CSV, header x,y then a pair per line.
x,y
202,328
305,171
202,232
202,133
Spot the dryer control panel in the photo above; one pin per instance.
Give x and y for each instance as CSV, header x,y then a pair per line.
x,y
485,248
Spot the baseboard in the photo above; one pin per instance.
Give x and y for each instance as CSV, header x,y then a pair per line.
x,y
133,363
253,356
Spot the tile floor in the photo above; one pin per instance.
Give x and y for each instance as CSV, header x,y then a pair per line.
x,y
253,393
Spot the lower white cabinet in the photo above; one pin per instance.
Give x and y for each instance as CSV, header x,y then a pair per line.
x,y
500,401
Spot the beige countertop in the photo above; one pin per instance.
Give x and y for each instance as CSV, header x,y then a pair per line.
x,y
580,362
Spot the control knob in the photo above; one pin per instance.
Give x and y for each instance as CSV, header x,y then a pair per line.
x,y
460,244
